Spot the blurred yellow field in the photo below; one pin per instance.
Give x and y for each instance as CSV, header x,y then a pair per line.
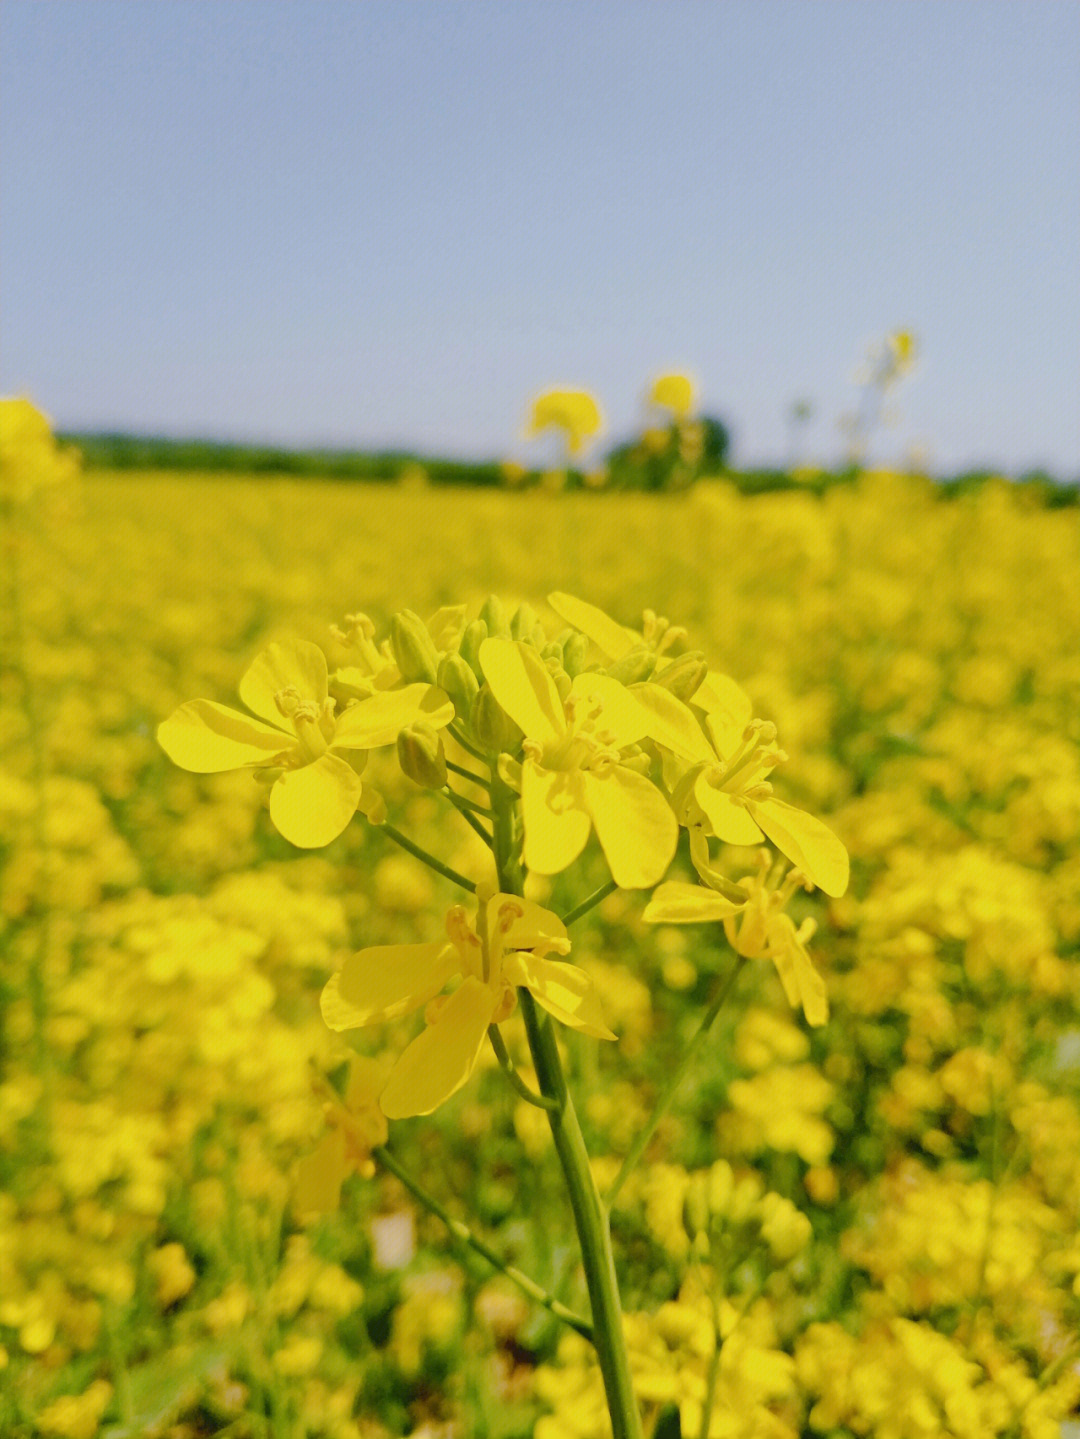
x,y
865,1227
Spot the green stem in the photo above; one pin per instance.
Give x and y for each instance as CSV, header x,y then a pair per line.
x,y
509,1069
459,738
593,900
590,1219
714,1370
467,774
464,1235
463,802
428,859
667,1094
467,816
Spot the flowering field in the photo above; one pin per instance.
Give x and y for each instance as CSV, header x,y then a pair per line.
x,y
864,1226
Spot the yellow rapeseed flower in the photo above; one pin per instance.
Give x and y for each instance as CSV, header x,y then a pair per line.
x,y
574,775
674,393
504,948
726,780
757,928
314,792
356,1126
574,412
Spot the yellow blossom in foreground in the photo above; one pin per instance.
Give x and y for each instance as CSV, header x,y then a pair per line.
x,y
757,928
505,948
574,412
726,780
574,775
315,792
674,393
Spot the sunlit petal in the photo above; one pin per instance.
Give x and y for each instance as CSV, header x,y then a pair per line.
x,y
728,711
516,923
676,902
553,811
810,845
208,738
672,724
564,991
441,1059
379,719
613,639
622,713
300,666
803,985
730,822
635,824
520,682
385,981
311,806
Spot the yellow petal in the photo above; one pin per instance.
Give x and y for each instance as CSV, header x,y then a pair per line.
x,y
729,821
300,665
564,991
634,823
802,984
531,927
366,1078
622,712
728,710
379,719
385,981
445,626
553,812
520,682
311,806
810,845
441,1059
209,738
672,724
613,639
319,1176
676,902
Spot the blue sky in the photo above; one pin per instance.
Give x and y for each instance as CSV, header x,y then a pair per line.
x,y
392,222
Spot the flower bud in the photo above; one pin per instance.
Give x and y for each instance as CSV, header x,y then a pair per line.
x,y
634,667
493,614
575,653
421,755
696,1205
684,676
495,731
458,681
414,649
523,623
785,1229
472,637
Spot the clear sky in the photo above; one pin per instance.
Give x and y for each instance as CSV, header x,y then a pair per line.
x,y
390,222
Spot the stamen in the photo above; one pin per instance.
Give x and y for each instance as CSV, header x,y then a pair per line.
x,y
287,701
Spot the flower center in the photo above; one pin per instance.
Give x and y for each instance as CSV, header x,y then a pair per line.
x,y
312,722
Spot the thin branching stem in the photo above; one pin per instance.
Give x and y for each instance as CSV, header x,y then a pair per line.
x,y
542,1101
464,1235
428,859
468,774
667,1094
593,900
